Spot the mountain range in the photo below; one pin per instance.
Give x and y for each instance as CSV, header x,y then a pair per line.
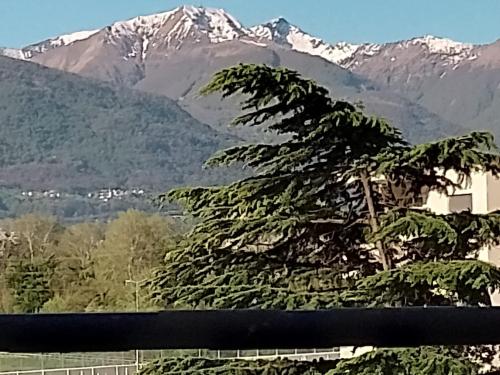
x,y
176,52
121,103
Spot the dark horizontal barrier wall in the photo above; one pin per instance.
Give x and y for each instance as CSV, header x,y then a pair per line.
x,y
249,329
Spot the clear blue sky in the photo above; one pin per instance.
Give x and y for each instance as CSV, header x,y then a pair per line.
x,y
27,21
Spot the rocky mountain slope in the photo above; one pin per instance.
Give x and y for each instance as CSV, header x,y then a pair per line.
x,y
460,82
175,53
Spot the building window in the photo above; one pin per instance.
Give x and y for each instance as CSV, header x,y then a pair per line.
x,y
460,202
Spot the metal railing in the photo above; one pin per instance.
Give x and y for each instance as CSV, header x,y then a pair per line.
x,y
35,361
248,329
131,369
127,369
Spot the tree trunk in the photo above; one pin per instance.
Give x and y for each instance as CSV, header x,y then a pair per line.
x,y
30,247
384,259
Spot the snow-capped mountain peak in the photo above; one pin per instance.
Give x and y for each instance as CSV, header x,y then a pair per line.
x,y
172,29
219,24
185,25
451,51
276,30
183,22
280,31
442,45
169,29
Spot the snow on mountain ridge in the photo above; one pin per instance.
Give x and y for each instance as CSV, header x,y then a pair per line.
x,y
451,52
442,45
220,25
172,28
64,40
13,53
346,54
216,24
276,30
139,30
279,30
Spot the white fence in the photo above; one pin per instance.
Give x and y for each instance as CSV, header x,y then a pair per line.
x,y
131,369
97,370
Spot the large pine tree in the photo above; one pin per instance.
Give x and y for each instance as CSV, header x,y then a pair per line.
x,y
329,219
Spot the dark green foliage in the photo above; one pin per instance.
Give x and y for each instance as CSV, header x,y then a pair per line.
x,y
329,218
30,284
205,366
420,235
443,283
410,171
420,361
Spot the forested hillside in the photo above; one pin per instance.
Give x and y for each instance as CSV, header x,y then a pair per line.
x,y
62,131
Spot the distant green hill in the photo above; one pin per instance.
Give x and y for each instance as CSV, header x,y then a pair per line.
x,y
62,131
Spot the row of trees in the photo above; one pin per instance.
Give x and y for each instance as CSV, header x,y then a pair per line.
x,y
46,266
328,220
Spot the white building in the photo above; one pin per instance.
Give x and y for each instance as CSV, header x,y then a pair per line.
x,y
480,195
